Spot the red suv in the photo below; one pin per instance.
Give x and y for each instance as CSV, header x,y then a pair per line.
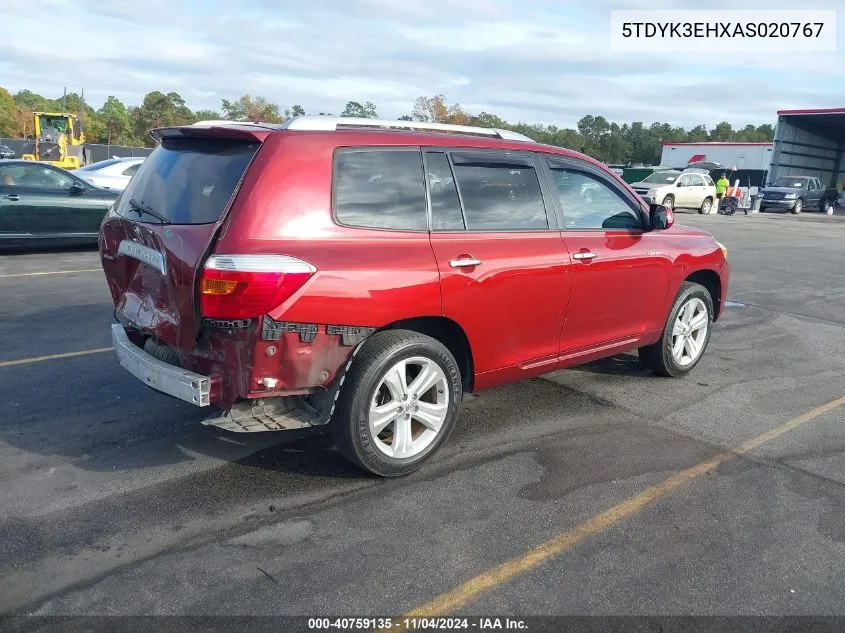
x,y
363,275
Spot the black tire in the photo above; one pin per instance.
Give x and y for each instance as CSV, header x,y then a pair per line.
x,y
799,205
708,203
349,424
826,206
669,202
762,209
658,357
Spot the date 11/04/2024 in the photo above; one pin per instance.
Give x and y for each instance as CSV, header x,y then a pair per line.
x,y
418,624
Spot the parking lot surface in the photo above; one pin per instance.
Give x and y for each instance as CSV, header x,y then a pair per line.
x,y
115,500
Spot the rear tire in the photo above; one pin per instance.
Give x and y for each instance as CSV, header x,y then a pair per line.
x,y
826,206
685,335
799,205
706,206
382,423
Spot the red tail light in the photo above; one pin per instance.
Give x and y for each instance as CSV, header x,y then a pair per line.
x,y
247,286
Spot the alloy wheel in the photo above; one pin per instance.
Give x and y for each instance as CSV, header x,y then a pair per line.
x,y
689,332
409,407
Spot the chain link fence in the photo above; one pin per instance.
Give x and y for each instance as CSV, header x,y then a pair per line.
x,y
96,151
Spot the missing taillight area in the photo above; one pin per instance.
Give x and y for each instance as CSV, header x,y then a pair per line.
x,y
248,286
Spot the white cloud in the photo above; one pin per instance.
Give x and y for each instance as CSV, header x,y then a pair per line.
x,y
543,61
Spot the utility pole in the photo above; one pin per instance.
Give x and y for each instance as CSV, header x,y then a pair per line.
x,y
64,100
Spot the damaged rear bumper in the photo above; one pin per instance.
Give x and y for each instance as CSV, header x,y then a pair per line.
x,y
245,416
174,381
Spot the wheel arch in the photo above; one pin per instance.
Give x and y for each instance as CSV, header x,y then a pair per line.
x,y
450,334
711,281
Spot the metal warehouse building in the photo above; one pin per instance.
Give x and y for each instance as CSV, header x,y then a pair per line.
x,y
810,143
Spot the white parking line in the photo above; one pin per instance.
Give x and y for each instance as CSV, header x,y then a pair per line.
x,y
53,272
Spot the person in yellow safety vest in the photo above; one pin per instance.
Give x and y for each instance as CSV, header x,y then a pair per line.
x,y
722,186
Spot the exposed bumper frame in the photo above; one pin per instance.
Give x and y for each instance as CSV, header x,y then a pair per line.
x,y
174,381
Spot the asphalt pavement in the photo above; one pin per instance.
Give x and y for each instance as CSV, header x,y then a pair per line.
x,y
115,500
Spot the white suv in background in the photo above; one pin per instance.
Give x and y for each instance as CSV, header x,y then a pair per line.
x,y
678,190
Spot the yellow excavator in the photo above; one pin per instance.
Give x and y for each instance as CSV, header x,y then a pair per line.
x,y
58,140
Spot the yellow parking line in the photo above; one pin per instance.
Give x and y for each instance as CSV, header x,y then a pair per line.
x,y
53,272
38,359
497,576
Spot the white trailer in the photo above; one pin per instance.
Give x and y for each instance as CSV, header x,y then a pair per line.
x,y
729,155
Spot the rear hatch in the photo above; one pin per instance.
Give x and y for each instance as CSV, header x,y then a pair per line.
x,y
158,234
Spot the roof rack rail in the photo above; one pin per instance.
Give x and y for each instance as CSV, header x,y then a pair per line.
x,y
226,122
331,124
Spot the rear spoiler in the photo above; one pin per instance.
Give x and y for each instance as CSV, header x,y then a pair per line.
x,y
235,130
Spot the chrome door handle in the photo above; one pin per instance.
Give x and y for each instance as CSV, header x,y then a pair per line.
x,y
12,196
464,263
587,255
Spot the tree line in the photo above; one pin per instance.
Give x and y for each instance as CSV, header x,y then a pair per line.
x,y
118,124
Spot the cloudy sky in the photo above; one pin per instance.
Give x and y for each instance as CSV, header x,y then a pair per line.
x,y
540,61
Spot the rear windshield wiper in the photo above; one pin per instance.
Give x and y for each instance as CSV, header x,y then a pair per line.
x,y
140,207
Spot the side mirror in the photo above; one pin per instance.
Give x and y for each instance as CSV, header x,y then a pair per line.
x,y
76,188
660,217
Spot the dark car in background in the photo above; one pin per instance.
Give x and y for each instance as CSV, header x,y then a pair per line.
x,y
796,193
41,204
6,152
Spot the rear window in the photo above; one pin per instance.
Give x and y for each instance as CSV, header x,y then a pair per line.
x,y
380,189
188,181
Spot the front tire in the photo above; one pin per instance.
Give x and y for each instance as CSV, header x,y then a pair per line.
x,y
799,205
669,201
399,402
685,336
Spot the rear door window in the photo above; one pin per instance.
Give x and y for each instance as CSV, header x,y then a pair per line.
x,y
189,180
499,192
380,189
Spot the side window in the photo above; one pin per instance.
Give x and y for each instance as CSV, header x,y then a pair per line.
x,y
709,181
499,192
811,184
685,180
590,203
380,189
698,181
443,193
131,169
35,176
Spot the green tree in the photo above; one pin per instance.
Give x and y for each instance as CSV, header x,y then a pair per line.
x,y
115,122
30,101
296,110
698,134
722,132
485,119
206,115
766,133
257,110
158,110
361,111
9,125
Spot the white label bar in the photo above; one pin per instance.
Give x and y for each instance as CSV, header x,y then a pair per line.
x,y
720,31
